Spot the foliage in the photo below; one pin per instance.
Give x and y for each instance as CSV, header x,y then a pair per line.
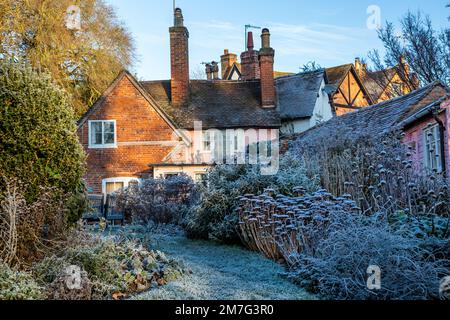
x,y
310,66
18,285
280,226
159,200
27,230
329,245
215,217
38,141
425,48
338,267
380,175
114,266
82,61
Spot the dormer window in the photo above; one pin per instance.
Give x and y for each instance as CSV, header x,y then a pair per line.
x,y
102,134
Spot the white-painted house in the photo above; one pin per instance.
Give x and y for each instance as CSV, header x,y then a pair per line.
x,y
303,101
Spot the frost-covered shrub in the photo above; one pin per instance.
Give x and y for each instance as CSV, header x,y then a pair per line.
x,y
18,285
281,227
159,200
338,268
215,217
112,265
27,230
380,176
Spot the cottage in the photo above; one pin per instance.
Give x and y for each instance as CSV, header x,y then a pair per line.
x,y
303,101
346,89
139,130
423,115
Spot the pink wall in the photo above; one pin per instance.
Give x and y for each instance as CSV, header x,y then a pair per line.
x,y
414,137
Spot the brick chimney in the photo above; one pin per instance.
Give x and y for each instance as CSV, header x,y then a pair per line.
x,y
266,60
249,61
179,60
227,60
404,67
208,71
361,68
215,70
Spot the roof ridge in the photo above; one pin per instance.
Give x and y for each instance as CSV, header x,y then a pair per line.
x,y
424,90
322,70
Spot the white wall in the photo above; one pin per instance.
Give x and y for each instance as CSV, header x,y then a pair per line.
x,y
322,110
322,113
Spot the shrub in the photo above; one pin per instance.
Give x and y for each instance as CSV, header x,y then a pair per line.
x,y
38,141
113,266
159,200
28,229
338,268
18,285
380,176
215,217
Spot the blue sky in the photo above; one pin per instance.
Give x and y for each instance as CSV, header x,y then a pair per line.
x,y
329,32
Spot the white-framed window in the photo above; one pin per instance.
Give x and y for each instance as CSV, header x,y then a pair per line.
x,y
102,134
112,185
207,141
433,148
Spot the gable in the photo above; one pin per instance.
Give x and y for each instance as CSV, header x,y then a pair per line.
x,y
126,100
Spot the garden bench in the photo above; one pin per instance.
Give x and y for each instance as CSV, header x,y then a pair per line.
x,y
96,202
112,214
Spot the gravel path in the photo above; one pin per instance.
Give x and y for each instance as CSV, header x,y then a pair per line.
x,y
221,273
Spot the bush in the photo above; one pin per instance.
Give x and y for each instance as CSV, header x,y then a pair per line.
x,y
379,174
114,267
38,141
27,230
159,200
338,268
18,285
215,217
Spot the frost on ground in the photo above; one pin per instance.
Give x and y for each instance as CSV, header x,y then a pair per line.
x,y
221,273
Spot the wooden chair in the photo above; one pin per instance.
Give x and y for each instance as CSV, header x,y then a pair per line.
x,y
96,202
112,214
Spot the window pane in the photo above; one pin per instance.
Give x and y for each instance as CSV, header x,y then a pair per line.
x,y
112,187
109,138
206,141
109,127
96,133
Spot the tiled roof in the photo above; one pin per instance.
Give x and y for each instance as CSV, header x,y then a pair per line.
x,y
297,94
376,120
337,74
217,104
376,82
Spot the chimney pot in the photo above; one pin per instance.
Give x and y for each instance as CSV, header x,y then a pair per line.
x,y
178,18
215,70
250,43
265,38
208,71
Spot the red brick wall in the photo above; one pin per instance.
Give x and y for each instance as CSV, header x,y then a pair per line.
x,y
136,122
250,65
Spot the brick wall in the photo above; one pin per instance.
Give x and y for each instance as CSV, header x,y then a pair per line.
x,y
179,57
266,60
137,124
